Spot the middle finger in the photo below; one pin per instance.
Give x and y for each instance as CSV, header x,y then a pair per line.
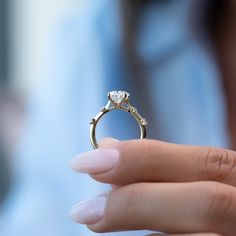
x,y
174,208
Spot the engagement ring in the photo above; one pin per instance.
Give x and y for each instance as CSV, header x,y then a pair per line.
x,y
117,100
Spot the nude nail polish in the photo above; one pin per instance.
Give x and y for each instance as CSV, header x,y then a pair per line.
x,y
95,162
90,211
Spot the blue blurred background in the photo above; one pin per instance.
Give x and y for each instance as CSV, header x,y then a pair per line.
x,y
58,60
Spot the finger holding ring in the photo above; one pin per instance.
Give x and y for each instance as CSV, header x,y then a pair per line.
x,y
117,100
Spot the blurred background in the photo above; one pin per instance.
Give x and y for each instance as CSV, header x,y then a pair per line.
x,y
24,30
58,60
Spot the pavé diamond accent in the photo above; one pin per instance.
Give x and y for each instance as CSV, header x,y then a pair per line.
x,y
143,121
93,120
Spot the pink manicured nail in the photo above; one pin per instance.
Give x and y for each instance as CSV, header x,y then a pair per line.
x,y
95,162
90,211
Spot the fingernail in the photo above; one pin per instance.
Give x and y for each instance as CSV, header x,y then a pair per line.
x,y
90,211
95,162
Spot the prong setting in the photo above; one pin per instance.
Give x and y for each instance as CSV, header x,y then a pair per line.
x,y
118,98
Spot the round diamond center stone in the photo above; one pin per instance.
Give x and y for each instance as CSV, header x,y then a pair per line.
x,y
118,96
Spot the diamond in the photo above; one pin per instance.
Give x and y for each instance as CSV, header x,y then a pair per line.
x,y
103,109
118,97
133,109
143,121
93,120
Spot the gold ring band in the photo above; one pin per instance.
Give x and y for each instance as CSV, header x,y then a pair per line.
x,y
117,100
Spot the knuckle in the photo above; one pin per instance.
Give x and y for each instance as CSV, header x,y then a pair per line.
x,y
220,203
129,204
121,209
218,164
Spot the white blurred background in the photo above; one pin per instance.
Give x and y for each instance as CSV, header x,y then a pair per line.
x,y
24,31
31,21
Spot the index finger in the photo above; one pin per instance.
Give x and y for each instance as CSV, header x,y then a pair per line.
x,y
156,161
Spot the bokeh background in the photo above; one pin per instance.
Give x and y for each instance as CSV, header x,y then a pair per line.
x,y
58,60
24,33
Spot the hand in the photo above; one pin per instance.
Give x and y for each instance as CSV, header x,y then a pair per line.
x,y
172,188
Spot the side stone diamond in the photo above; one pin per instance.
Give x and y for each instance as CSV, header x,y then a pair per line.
x,y
93,120
143,121
132,109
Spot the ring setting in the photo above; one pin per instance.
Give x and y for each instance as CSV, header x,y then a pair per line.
x,y
117,100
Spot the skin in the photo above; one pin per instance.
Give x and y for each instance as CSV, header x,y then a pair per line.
x,y
177,189
224,40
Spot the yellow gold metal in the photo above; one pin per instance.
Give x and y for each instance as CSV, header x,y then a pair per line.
x,y
118,100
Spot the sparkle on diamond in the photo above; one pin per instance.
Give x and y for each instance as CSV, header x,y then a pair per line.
x,y
118,96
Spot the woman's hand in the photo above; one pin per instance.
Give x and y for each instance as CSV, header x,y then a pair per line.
x,y
164,187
